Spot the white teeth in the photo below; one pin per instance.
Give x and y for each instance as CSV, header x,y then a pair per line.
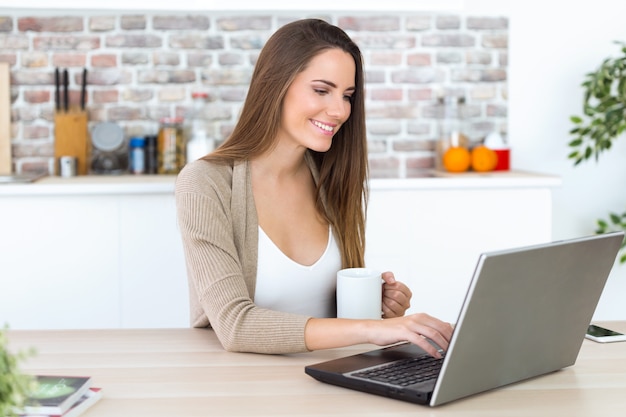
x,y
323,126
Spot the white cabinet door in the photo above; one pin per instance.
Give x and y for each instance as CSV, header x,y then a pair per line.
x,y
59,262
153,280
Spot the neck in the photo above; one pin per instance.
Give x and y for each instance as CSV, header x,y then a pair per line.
x,y
280,163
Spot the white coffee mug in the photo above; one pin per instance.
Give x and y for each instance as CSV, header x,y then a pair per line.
x,y
359,293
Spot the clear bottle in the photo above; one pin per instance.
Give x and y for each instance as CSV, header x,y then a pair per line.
x,y
198,140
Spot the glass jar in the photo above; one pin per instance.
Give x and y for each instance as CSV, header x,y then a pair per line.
x,y
197,136
171,146
451,127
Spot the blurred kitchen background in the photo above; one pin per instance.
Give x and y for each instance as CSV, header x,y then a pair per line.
x,y
519,66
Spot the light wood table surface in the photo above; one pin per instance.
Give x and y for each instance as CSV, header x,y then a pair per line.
x,y
186,373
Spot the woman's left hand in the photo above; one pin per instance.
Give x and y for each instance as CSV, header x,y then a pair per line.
x,y
396,297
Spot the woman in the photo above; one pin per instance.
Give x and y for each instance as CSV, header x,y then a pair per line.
x,y
269,217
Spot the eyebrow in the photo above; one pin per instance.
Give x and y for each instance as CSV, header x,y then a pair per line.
x,y
332,84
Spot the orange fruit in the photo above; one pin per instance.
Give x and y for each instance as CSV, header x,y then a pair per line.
x,y
484,159
456,159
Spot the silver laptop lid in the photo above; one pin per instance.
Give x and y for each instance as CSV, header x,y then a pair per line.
x,y
532,306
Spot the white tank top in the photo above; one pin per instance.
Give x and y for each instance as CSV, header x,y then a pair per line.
x,y
285,285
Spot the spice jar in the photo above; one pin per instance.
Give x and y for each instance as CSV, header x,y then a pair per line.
x,y
137,155
171,146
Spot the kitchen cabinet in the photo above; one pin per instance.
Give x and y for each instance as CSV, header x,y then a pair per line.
x,y
105,252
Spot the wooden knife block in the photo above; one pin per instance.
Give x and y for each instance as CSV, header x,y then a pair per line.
x,y
71,138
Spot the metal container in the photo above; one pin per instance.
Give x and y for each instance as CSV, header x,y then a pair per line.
x,y
67,166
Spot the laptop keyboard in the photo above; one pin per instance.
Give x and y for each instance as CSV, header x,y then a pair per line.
x,y
403,372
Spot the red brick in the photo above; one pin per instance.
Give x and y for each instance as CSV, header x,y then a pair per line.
x,y
415,76
50,24
69,60
10,59
385,41
14,42
105,96
487,23
387,94
418,23
230,58
384,167
230,24
420,94
385,58
133,41
196,41
136,95
6,24
449,39
66,43
176,22
448,22
172,94
32,131
412,145
124,113
171,59
102,23
104,60
384,128
199,59
500,40
419,60
34,59
134,22
34,166
110,76
371,24
37,96
417,167
392,112
165,76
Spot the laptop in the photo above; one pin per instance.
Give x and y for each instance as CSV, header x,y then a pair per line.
x,y
525,314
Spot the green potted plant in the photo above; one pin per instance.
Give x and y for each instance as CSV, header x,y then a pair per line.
x,y
14,386
603,121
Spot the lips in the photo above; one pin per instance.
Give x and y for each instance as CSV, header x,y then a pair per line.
x,y
325,127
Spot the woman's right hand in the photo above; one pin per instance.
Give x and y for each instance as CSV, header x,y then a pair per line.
x,y
414,328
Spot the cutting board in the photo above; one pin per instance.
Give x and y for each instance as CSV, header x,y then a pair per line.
x,y
5,119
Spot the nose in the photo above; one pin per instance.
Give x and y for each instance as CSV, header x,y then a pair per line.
x,y
339,108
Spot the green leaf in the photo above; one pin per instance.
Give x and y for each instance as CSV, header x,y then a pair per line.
x,y
604,102
615,218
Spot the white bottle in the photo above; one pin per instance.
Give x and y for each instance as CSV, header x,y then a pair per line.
x,y
199,143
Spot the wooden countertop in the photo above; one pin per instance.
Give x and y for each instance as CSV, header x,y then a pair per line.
x,y
186,373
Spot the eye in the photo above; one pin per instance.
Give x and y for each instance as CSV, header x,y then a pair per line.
x,y
320,91
348,97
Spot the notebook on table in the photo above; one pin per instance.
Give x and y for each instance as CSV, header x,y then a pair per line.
x,y
525,314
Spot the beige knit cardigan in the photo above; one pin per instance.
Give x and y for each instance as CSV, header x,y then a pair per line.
x,y
219,228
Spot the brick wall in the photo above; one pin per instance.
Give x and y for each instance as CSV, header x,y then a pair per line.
x,y
144,67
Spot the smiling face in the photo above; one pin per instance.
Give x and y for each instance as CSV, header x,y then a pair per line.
x,y
317,102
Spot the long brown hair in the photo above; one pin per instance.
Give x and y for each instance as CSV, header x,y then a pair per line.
x,y
343,170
